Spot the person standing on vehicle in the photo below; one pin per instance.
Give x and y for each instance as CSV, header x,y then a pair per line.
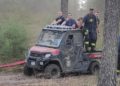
x,y
60,19
90,27
70,21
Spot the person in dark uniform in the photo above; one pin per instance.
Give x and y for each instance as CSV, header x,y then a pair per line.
x,y
59,20
90,27
70,21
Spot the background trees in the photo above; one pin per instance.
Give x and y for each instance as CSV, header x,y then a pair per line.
x,y
107,75
64,7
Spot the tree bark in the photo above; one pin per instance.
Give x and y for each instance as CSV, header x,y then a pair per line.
x,y
107,75
64,7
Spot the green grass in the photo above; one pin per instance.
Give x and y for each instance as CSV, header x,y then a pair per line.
x,y
13,41
29,26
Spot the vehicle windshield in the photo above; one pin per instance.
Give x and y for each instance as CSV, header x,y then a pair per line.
x,y
50,38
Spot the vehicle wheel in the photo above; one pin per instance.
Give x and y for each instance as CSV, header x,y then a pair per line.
x,y
28,71
94,68
52,71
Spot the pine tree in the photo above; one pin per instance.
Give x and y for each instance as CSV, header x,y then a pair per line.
x,y
107,76
64,7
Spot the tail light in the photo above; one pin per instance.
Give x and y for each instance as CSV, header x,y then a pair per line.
x,y
95,56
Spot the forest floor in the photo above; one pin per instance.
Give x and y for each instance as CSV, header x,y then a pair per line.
x,y
18,79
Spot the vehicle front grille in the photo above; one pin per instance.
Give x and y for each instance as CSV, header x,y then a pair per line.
x,y
34,54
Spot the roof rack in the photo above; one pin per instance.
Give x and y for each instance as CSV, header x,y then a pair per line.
x,y
58,27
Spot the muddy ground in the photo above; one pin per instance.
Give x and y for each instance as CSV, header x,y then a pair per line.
x,y
18,79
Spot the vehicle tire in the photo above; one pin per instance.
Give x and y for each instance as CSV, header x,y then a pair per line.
x,y
52,71
28,71
94,68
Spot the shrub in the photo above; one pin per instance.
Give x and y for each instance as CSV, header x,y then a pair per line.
x,y
13,41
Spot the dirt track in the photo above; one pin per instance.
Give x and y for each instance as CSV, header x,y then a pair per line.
x,y
18,79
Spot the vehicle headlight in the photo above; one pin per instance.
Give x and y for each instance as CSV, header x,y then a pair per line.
x,y
47,56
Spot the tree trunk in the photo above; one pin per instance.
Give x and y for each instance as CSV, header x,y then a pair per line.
x,y
107,76
64,7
